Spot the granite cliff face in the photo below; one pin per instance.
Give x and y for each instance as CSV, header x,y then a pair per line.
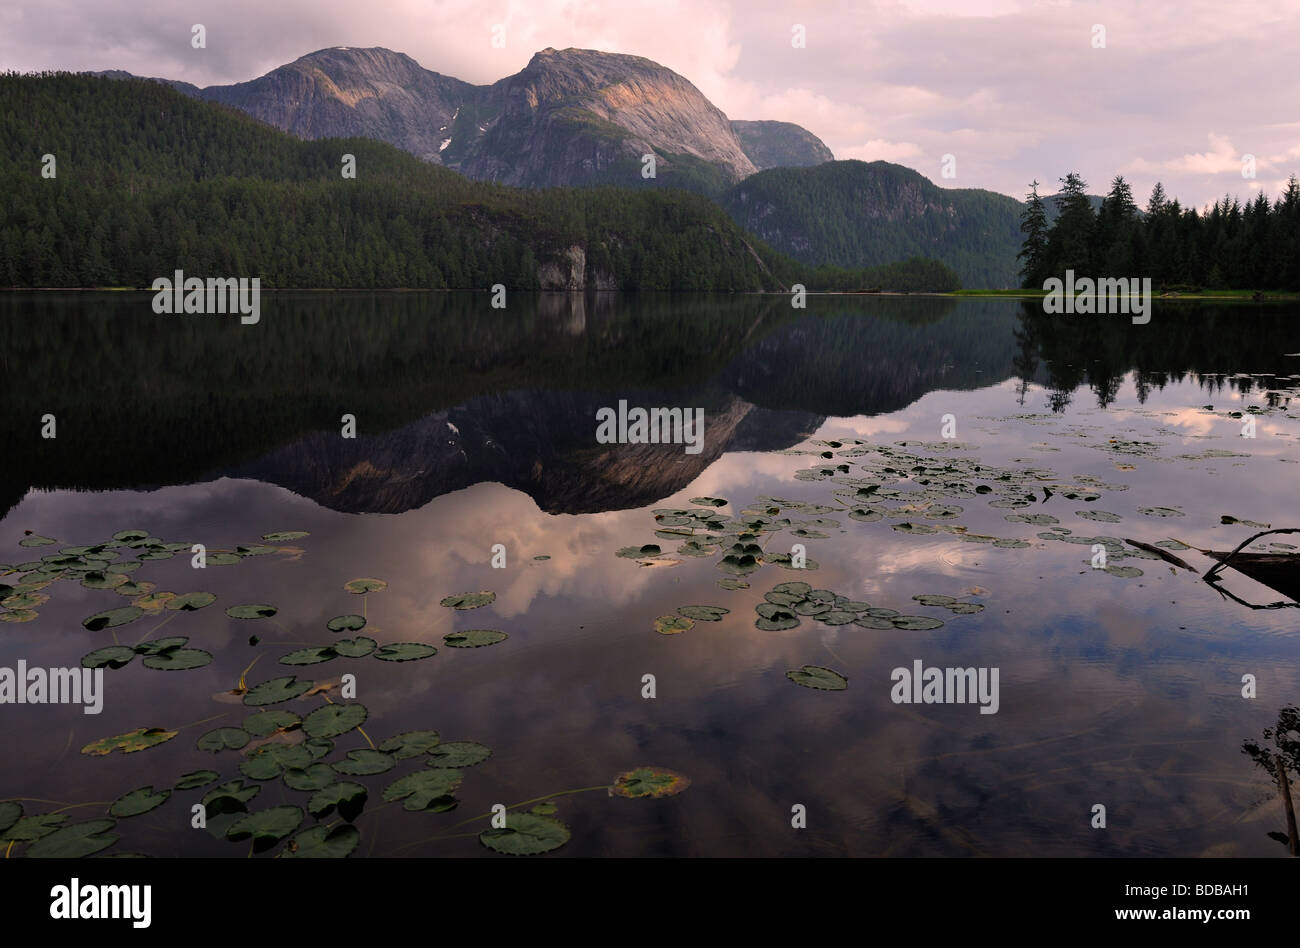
x,y
570,117
780,145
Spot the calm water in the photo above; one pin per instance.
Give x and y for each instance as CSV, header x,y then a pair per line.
x,y
477,427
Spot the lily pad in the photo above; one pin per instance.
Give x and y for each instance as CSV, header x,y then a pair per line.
x,y
112,618
275,691
138,801
709,501
271,760
471,600
423,787
191,601
132,741
223,738
196,779
348,797
814,676
75,841
181,659
526,834
9,815
223,559
1100,515
359,647
837,617
31,828
324,842
313,655
459,754
473,638
36,540
879,623
1126,572
916,623
703,613
18,615
410,744
652,782
251,611
266,827
111,656
97,579
158,646
312,777
673,625
364,762
285,535
928,599
404,652
334,720
347,623
266,723
360,586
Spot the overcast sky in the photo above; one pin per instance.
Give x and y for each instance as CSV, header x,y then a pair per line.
x,y
1013,89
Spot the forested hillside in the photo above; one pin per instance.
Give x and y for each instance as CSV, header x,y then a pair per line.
x,y
149,181
853,213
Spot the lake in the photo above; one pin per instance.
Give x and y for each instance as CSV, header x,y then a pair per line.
x,y
973,452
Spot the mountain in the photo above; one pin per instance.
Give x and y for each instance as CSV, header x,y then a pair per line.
x,y
570,117
854,214
780,145
150,180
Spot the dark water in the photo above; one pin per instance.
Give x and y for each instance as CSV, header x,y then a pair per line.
x,y
477,427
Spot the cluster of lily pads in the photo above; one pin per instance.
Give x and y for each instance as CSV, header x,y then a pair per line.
x,y
787,603
294,748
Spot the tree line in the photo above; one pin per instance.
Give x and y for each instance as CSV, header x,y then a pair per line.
x,y
1231,245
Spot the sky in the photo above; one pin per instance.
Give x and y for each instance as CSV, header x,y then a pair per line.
x,y
1177,91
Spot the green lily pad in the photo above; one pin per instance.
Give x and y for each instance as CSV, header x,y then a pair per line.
x,y
703,613
965,608
364,762
404,652
138,801
410,744
256,549
18,615
252,611
266,827
348,797
359,647
798,589
223,559
159,646
111,656
470,600
347,623
129,743
31,828
673,625
458,754
285,535
230,797
36,540
652,782
359,586
191,601
129,536
75,841
266,723
709,501
473,638
526,834
423,787
223,738
180,659
112,618
1126,572
195,779
733,584
814,676
334,720
275,691
313,655
324,842
319,747
837,617
918,528
774,618
270,760
1160,511
628,553
927,599
1099,515
873,622
9,815
312,777
96,579
916,623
